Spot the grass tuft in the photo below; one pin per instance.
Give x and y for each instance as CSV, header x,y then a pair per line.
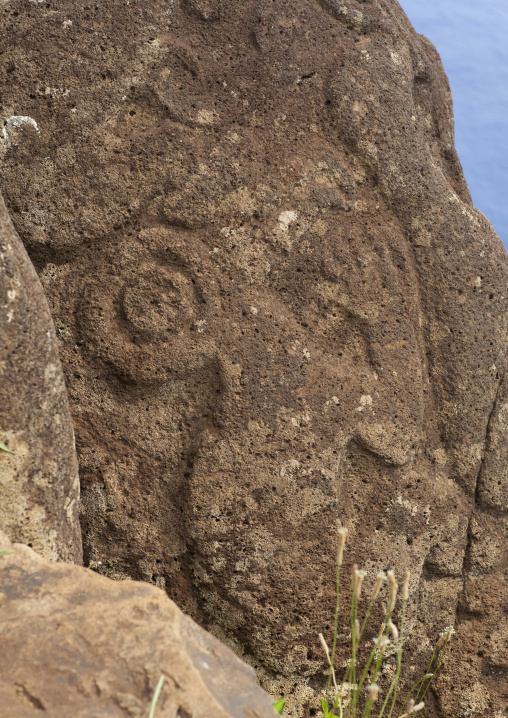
x,y
358,692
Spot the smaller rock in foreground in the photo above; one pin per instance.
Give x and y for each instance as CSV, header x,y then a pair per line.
x,y
77,644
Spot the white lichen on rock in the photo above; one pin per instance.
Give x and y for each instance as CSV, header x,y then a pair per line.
x,y
15,122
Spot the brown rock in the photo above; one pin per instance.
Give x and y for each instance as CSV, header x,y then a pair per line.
x,y
80,645
39,486
279,313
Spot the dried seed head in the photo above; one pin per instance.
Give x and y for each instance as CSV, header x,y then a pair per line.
x,y
355,571
373,692
357,582
412,709
448,631
325,647
357,629
340,547
445,636
377,586
405,586
418,707
394,631
393,591
381,642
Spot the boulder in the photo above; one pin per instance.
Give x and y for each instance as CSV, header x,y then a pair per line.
x,y
77,644
279,313
39,486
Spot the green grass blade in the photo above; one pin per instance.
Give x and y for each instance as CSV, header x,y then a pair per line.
x,y
156,697
279,705
4,448
440,660
335,627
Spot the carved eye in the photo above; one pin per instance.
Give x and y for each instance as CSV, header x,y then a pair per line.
x,y
158,303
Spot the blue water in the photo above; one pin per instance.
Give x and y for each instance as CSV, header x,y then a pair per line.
x,y
472,39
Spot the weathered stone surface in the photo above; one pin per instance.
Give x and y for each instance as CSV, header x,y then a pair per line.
x,y
39,487
78,644
278,310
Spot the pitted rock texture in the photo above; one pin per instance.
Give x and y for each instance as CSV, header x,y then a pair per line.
x,y
39,485
81,645
278,312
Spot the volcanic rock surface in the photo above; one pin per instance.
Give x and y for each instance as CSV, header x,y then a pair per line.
x,y
278,313
81,645
39,485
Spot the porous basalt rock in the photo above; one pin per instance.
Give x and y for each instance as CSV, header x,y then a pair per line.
x,y
39,486
279,313
78,644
